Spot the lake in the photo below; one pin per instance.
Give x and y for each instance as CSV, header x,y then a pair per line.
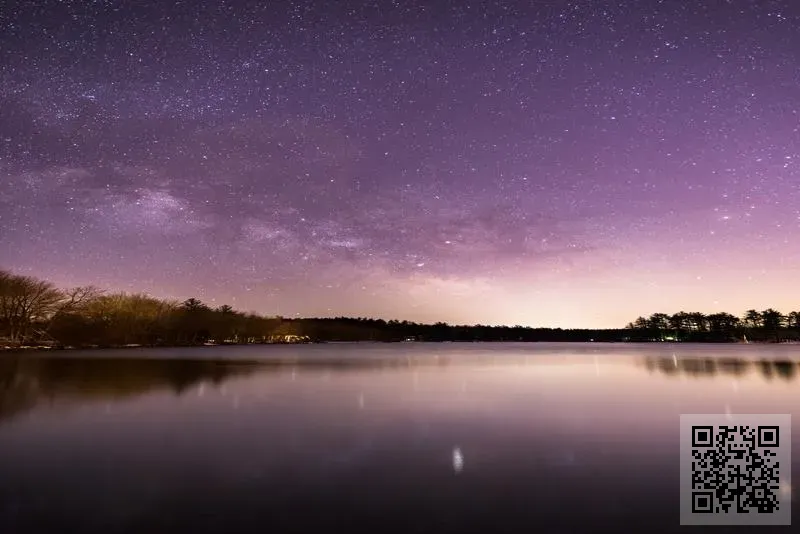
x,y
411,437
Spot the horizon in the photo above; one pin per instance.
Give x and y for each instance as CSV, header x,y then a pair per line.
x,y
554,165
213,303
181,301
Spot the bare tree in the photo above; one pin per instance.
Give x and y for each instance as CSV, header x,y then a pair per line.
x,y
78,298
24,302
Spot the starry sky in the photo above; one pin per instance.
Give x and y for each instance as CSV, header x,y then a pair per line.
x,y
543,163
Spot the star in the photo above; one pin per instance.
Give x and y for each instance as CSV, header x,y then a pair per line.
x,y
570,168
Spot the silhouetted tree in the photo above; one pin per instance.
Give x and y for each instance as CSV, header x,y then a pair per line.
x,y
659,321
195,323
193,305
793,320
722,325
753,319
772,321
697,321
680,321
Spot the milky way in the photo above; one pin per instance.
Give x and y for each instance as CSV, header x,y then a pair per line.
x,y
543,163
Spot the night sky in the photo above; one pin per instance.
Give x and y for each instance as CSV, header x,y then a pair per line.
x,y
544,163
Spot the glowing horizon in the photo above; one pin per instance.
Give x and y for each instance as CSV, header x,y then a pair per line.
x,y
556,167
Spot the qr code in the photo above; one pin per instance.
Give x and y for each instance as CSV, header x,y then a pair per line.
x,y
735,469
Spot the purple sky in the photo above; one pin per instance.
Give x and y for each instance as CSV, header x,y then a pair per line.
x,y
544,163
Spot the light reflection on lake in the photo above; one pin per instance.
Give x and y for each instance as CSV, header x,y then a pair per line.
x,y
402,437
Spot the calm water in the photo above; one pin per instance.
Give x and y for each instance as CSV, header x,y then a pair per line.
x,y
392,438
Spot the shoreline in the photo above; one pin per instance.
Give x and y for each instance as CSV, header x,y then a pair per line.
x,y
42,348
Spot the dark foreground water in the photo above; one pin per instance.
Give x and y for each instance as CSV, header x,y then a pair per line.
x,y
437,438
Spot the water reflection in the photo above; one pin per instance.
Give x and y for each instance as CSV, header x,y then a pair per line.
x,y
541,438
711,367
26,382
458,460
30,380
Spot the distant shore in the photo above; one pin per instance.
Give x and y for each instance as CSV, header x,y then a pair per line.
x,y
44,348
35,314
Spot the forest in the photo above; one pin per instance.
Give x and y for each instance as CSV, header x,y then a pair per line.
x,y
768,325
35,312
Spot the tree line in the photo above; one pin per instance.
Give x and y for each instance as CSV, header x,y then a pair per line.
x,y
766,326
36,312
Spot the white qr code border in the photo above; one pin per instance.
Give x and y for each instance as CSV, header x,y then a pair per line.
x,y
706,500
